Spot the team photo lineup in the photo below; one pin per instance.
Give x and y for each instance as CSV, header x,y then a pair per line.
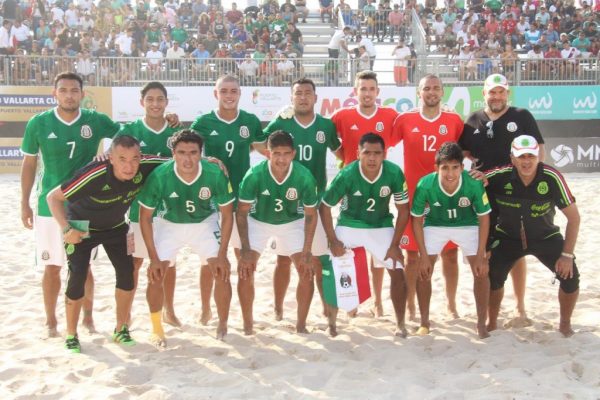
x,y
146,189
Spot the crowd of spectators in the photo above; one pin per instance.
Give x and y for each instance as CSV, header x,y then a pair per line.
x,y
115,41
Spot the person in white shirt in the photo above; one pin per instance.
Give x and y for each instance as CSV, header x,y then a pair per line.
x,y
571,65
85,67
364,62
457,25
401,54
154,57
86,22
124,42
6,46
248,71
439,27
85,5
338,42
285,69
57,14
21,34
174,56
72,16
369,48
533,64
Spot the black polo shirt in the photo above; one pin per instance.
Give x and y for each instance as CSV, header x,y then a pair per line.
x,y
489,142
96,195
534,205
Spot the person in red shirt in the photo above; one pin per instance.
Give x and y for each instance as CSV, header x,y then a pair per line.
x,y
423,130
492,25
353,122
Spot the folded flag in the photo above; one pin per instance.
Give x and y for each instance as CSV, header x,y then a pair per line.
x,y
346,279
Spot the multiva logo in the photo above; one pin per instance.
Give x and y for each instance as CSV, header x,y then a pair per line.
x,y
580,156
541,105
585,105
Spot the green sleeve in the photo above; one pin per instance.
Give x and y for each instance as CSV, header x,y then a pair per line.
x,y
419,200
400,189
224,192
247,192
30,144
109,127
196,125
272,127
332,139
309,195
150,197
481,204
258,135
335,191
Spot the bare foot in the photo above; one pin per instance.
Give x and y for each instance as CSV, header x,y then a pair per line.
x,y
160,343
452,312
565,329
301,329
249,329
482,331
221,332
412,314
377,310
353,313
332,330
518,322
52,332
401,332
278,314
423,331
205,317
492,326
171,319
89,325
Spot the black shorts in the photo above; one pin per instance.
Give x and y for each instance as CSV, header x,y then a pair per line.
x,y
114,242
505,252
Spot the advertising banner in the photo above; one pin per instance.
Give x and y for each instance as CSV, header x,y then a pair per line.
x,y
20,103
559,102
10,155
574,154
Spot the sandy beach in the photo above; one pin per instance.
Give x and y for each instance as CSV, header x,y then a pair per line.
x,y
364,362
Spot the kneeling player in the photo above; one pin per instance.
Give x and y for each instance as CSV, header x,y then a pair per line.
x,y
185,190
365,220
280,195
458,212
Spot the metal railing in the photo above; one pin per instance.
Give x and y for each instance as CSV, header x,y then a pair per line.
x,y
129,71
418,36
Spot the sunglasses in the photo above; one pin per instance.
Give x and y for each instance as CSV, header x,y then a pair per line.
x,y
490,129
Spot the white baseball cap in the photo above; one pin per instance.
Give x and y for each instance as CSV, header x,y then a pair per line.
x,y
524,144
494,81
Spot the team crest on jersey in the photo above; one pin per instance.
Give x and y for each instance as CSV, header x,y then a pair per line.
x,y
511,127
291,194
384,191
138,178
244,132
542,187
379,127
404,240
45,255
204,193
170,142
320,137
443,129
464,202
86,132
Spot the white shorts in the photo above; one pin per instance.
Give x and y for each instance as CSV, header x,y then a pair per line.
x,y
375,240
319,244
49,245
234,239
288,238
203,238
466,237
140,250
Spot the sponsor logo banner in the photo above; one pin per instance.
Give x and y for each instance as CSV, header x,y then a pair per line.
x,y
559,102
23,102
10,155
574,154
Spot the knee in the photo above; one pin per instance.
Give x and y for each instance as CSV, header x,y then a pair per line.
x,y
125,278
570,285
52,272
75,285
411,257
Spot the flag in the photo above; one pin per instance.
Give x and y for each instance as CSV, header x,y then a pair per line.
x,y
346,279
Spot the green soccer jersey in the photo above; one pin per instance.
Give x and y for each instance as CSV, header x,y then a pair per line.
x,y
230,141
278,202
366,204
151,142
181,202
312,142
64,147
460,208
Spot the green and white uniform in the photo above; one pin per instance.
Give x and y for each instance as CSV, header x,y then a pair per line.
x,y
311,142
65,147
365,218
186,211
151,142
230,141
278,207
450,216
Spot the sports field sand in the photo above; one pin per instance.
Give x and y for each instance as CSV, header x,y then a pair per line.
x,y
364,362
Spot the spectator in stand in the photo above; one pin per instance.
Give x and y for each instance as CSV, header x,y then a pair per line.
x,y
296,36
401,55
450,15
492,26
326,8
219,28
381,22
22,35
338,42
301,10
198,8
204,25
285,70
175,54
21,69
551,34
509,60
276,36
268,71
522,28
154,58
369,48
570,66
211,43
582,43
124,42
233,16
223,62
86,23
396,21
534,62
58,13
201,67
259,54
466,63
248,71
85,68
543,17
363,60
238,53
179,34
287,14
185,14
532,36
551,66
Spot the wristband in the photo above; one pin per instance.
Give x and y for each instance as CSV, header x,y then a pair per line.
x,y
67,229
568,255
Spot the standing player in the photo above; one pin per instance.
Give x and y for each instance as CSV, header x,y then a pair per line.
x,y
365,188
229,135
351,124
486,139
101,193
313,135
154,134
67,138
423,131
186,191
277,199
525,196
458,212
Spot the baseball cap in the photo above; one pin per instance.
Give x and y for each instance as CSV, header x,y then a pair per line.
x,y
524,144
153,44
494,81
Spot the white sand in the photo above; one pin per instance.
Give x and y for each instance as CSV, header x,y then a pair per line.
x,y
365,361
